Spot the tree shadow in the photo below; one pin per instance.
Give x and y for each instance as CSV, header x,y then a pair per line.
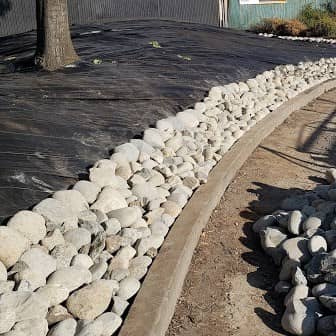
x,y
312,144
266,275
5,7
317,167
316,138
320,144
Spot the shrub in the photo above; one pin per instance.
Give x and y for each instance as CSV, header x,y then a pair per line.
x,y
269,26
294,28
320,22
326,26
310,15
311,22
279,26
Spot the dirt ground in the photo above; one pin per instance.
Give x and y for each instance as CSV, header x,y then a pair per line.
x,y
229,288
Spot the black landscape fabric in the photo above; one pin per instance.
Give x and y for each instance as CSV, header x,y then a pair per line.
x,y
132,73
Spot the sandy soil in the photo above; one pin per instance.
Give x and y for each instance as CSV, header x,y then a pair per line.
x,y
229,288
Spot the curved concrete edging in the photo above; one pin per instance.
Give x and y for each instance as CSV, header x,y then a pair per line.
x,y
154,305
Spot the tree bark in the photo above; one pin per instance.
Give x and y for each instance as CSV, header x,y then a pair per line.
x,y
54,44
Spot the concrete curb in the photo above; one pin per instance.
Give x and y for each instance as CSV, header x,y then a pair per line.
x,y
154,305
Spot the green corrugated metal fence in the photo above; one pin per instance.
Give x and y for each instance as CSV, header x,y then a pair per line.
x,y
244,16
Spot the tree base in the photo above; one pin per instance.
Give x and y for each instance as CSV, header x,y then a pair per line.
x,y
54,45
53,62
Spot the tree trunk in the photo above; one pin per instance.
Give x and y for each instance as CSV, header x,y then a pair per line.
x,y
54,45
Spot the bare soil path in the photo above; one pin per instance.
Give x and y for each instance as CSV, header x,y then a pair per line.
x,y
229,288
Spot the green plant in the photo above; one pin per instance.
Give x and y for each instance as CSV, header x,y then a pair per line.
x,y
309,15
326,26
155,44
97,61
311,22
320,21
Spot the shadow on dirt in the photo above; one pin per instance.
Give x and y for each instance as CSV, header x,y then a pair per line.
x,y
316,138
266,276
311,145
314,144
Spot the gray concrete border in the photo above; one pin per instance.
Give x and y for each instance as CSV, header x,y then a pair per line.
x,y
154,305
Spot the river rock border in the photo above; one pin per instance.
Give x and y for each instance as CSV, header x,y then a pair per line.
x,y
72,264
301,38
301,239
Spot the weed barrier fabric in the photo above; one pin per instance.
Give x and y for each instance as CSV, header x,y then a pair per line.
x,y
55,125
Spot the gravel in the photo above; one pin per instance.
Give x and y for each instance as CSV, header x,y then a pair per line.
x,y
53,294
29,224
71,277
78,258
12,246
307,259
301,38
92,300
64,328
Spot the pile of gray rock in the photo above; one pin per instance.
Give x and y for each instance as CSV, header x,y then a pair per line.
x,y
72,264
301,239
301,38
